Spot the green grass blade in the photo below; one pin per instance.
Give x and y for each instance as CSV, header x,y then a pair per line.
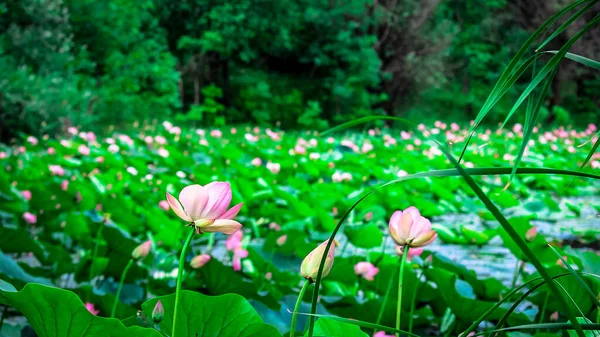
x,y
551,65
434,173
592,151
583,284
517,240
533,113
578,58
368,325
567,23
548,326
363,120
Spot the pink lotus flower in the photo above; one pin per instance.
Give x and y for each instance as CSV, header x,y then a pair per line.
x,y
256,162
234,241
51,151
299,149
454,127
275,226
366,147
531,234
314,156
163,152
149,140
72,130
310,265
410,229
100,159
238,255
371,132
57,170
160,140
83,150
366,269
164,205
401,173
382,334
251,138
200,261
233,131
3,155
142,250
113,148
26,194
64,185
273,167
30,218
554,316
205,207
90,307
412,253
32,140
175,130
369,216
404,135
216,133
349,144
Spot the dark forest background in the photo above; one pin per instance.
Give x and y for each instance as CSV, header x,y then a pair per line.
x,y
292,63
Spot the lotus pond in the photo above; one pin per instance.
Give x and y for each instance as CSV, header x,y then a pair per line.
x,y
88,233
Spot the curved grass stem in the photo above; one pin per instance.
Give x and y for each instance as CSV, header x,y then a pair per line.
x,y
180,278
297,308
118,295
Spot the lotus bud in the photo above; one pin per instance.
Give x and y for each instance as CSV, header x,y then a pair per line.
x,y
531,234
158,313
142,250
310,265
199,261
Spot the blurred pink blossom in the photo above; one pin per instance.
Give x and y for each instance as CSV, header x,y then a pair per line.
x,y
64,185
72,130
382,334
454,127
57,170
250,137
51,151
275,226
3,155
256,162
273,167
366,269
314,156
160,140
83,150
281,240
164,205
90,307
299,149
30,218
402,173
26,194
32,140
200,260
412,253
216,133
366,147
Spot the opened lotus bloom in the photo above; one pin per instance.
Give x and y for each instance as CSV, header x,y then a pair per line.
x,y
205,207
410,229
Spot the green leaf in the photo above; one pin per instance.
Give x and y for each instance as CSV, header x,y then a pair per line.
x,y
365,236
54,312
330,328
202,316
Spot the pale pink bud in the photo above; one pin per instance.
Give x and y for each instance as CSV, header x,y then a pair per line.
x,y
149,140
299,149
100,159
369,216
142,250
30,218
216,134
64,185
454,127
554,316
314,156
402,173
409,228
269,275
158,313
366,147
531,234
160,140
3,155
382,334
281,240
310,265
32,140
233,131
560,262
273,167
275,226
234,241
51,151
164,205
199,261
26,194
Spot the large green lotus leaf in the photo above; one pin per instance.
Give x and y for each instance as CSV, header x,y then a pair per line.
x,y
210,316
54,312
331,328
364,236
461,298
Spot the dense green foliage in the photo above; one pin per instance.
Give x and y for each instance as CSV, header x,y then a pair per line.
x,y
300,63
79,206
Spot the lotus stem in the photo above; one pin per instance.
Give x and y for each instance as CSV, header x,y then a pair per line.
x,y
400,278
118,295
180,278
297,307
